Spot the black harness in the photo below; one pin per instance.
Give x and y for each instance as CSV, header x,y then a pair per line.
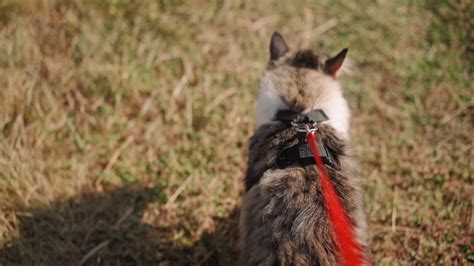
x,y
298,150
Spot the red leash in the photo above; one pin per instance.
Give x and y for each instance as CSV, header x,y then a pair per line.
x,y
349,250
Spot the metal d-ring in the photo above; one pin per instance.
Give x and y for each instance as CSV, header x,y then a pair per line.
x,y
305,127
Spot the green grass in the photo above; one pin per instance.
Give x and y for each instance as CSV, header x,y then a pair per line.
x,y
124,124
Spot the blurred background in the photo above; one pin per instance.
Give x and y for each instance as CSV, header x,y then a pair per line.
x,y
124,124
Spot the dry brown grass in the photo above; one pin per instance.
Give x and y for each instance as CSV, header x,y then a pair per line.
x,y
124,124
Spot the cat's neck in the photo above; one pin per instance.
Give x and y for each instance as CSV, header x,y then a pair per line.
x,y
333,104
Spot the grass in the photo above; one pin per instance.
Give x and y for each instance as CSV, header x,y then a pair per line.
x,y
124,124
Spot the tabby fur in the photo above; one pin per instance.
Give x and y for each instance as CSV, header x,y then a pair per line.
x,y
283,218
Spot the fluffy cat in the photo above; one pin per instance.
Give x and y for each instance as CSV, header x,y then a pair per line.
x,y
283,218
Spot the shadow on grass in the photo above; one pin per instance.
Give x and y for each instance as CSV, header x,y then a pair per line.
x,y
107,229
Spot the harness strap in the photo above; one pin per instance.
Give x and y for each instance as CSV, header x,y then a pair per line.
x,y
316,115
347,246
299,151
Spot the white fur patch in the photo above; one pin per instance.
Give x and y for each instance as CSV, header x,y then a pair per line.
x,y
269,102
337,109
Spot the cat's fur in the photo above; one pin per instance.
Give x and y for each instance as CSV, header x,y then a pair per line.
x,y
283,218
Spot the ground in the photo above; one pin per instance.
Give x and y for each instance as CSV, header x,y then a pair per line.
x,y
124,124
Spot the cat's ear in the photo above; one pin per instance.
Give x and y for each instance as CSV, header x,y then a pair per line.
x,y
334,65
278,46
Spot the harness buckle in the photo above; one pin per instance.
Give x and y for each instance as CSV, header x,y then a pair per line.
x,y
305,127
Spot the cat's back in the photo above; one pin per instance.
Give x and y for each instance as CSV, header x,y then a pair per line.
x,y
285,220
285,214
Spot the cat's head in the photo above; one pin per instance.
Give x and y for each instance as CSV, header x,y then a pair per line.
x,y
302,81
